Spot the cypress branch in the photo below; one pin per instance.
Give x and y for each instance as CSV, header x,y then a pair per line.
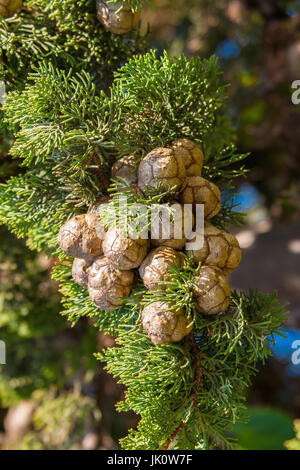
x,y
71,119
162,381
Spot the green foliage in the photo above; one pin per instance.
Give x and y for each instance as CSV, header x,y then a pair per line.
x,y
200,380
57,121
64,32
228,214
32,206
177,289
69,134
166,98
60,121
133,210
197,385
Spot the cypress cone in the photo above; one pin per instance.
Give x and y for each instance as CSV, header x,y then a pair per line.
x,y
115,18
191,155
162,165
164,326
78,237
9,7
211,291
80,271
182,217
220,249
124,253
200,191
156,266
125,168
108,286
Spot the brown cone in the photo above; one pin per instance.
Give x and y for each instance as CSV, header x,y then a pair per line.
x,y
191,155
211,291
200,191
182,217
9,7
117,22
124,253
162,165
80,271
125,168
108,286
79,236
164,326
156,266
220,249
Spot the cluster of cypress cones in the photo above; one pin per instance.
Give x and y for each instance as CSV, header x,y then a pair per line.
x,y
106,262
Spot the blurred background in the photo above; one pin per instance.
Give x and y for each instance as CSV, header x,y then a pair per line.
x,y
53,393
